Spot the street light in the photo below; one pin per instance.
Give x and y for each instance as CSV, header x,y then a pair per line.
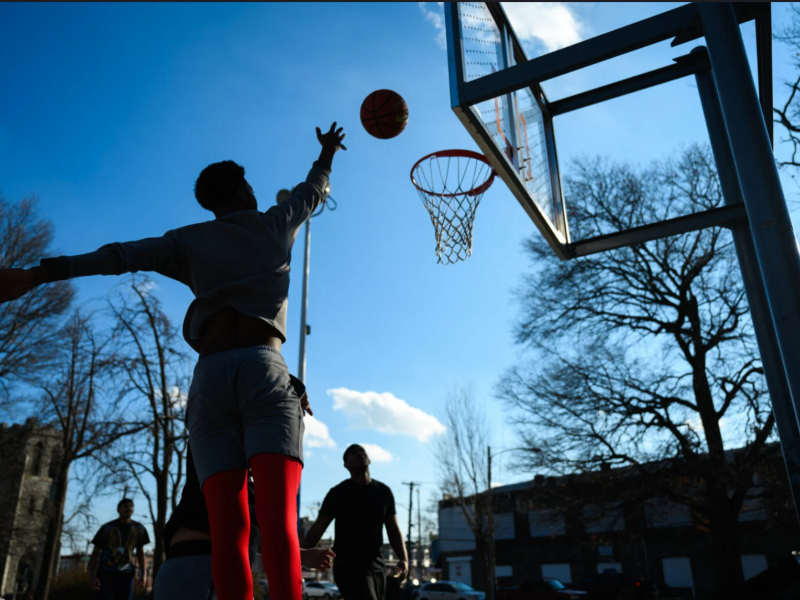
x,y
282,196
490,519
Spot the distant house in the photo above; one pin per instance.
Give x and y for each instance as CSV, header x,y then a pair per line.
x,y
538,536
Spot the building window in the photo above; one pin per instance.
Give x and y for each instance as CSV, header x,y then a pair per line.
x,y
599,519
678,572
560,571
55,464
753,564
454,531
32,506
545,523
609,567
753,508
660,512
503,571
504,526
36,464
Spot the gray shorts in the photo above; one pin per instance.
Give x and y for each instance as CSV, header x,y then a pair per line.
x,y
184,578
241,403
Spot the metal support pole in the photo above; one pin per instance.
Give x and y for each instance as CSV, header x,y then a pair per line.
x,y
490,588
773,235
301,369
788,430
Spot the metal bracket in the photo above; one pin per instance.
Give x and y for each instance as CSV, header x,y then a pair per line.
x,y
686,65
725,216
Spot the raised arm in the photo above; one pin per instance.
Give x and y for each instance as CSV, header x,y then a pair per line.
x,y
290,215
314,534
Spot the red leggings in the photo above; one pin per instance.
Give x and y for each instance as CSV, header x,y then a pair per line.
x,y
277,479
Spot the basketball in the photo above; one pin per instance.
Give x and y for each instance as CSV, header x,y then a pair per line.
x,y
384,114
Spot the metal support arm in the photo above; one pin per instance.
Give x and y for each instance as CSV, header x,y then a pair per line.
x,y
725,216
686,65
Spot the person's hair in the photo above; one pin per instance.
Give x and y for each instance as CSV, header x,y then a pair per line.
x,y
217,183
124,501
351,448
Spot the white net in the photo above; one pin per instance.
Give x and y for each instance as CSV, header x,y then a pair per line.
x,y
451,185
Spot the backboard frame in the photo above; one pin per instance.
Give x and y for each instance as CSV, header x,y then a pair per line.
x,y
518,73
508,168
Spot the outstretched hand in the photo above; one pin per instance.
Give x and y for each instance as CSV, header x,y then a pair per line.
x,y
15,283
332,139
317,558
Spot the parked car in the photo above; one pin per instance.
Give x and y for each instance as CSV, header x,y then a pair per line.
x,y
448,590
616,586
541,589
320,589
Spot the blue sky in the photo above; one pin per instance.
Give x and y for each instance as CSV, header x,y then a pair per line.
x,y
110,111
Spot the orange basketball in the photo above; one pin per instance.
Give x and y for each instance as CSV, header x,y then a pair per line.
x,y
384,114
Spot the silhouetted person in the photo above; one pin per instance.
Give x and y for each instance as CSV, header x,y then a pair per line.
x,y
242,410
111,569
361,507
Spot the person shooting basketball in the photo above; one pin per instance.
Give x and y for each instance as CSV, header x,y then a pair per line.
x,y
242,409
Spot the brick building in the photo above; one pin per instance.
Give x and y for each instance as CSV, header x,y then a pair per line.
x,y
28,456
655,539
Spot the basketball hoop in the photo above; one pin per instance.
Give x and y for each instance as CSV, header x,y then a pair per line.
x,y
451,184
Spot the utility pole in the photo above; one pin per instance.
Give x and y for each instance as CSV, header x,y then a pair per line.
x,y
420,551
411,485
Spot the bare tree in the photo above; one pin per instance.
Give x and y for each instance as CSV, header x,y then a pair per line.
x,y
639,355
153,364
28,325
461,456
788,116
72,401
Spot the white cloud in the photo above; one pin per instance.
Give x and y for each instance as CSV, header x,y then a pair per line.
x,y
377,454
317,434
553,24
436,18
385,413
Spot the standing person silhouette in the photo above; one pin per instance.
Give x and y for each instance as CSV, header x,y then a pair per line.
x,y
361,507
242,410
111,569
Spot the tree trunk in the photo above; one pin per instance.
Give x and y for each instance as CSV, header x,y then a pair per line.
x,y
725,549
52,545
158,527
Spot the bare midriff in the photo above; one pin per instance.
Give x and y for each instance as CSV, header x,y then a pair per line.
x,y
184,534
228,329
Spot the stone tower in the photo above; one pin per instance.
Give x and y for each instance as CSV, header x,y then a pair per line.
x,y
29,455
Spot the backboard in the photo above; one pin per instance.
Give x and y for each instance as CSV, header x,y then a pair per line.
x,y
514,130
495,91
